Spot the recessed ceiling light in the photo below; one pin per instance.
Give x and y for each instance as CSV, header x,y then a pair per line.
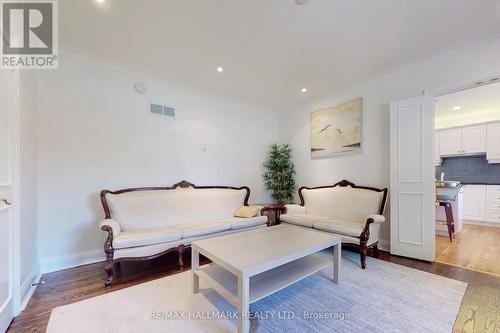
x,y
303,90
455,108
100,1
220,69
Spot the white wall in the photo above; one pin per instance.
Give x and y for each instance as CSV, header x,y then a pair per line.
x,y
28,183
371,166
95,132
468,119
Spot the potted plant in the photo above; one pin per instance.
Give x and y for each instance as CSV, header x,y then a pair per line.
x,y
279,173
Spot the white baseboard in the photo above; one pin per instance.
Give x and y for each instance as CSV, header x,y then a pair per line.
x,y
27,288
483,223
5,316
53,264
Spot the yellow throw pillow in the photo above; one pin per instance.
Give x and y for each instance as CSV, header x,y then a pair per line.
x,y
247,211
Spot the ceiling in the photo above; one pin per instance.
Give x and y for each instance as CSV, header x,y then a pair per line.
x,y
271,49
476,105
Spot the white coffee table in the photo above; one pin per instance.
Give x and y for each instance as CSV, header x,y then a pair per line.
x,y
251,265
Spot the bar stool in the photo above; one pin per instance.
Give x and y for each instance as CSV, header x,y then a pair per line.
x,y
450,222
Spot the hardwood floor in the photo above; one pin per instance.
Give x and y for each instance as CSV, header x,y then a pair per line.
x,y
479,312
480,308
474,247
79,283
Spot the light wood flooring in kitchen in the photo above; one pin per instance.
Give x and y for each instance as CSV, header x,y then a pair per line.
x,y
474,247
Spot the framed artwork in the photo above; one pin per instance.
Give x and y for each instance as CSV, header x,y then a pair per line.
x,y
336,129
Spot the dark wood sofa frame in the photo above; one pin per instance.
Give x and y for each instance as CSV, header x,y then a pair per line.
x,y
365,234
108,243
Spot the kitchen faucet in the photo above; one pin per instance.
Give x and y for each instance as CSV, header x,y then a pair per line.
x,y
442,176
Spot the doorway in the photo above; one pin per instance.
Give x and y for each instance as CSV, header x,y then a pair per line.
x,y
467,150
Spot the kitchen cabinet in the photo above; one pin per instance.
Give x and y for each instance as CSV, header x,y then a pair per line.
x,y
493,143
437,154
474,139
450,142
493,205
474,202
463,141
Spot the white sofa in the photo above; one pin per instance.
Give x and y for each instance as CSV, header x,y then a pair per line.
x,y
144,223
352,212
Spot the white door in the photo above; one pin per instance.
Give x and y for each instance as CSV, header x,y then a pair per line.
x,y
475,202
412,178
8,81
450,142
474,139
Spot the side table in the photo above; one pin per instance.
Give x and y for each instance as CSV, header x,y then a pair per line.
x,y
277,209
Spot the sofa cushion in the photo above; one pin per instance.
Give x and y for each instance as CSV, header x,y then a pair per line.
x,y
343,203
139,210
304,220
340,227
148,250
214,203
295,209
204,228
242,223
149,209
146,237
247,211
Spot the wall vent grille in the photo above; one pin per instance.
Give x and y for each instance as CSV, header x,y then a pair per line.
x,y
162,110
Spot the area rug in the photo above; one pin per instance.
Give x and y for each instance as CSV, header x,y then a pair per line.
x,y
384,297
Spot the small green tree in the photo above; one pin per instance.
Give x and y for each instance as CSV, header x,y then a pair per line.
x,y
279,173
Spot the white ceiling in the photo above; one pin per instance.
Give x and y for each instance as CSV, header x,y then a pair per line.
x,y
477,105
270,49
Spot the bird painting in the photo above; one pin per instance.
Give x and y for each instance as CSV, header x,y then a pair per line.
x,y
325,128
330,125
336,129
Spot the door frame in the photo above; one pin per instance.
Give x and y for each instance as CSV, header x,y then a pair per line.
x,y
16,197
461,85
466,84
14,76
470,83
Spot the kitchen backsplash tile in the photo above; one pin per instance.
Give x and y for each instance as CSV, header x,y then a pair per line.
x,y
469,170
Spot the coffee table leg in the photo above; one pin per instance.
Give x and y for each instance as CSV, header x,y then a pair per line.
x,y
243,309
195,265
337,249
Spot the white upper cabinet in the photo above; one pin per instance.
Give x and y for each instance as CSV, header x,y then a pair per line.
x,y
474,139
463,141
450,142
437,154
493,151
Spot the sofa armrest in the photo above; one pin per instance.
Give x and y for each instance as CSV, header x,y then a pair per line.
x,y
375,218
113,229
371,229
111,226
295,209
